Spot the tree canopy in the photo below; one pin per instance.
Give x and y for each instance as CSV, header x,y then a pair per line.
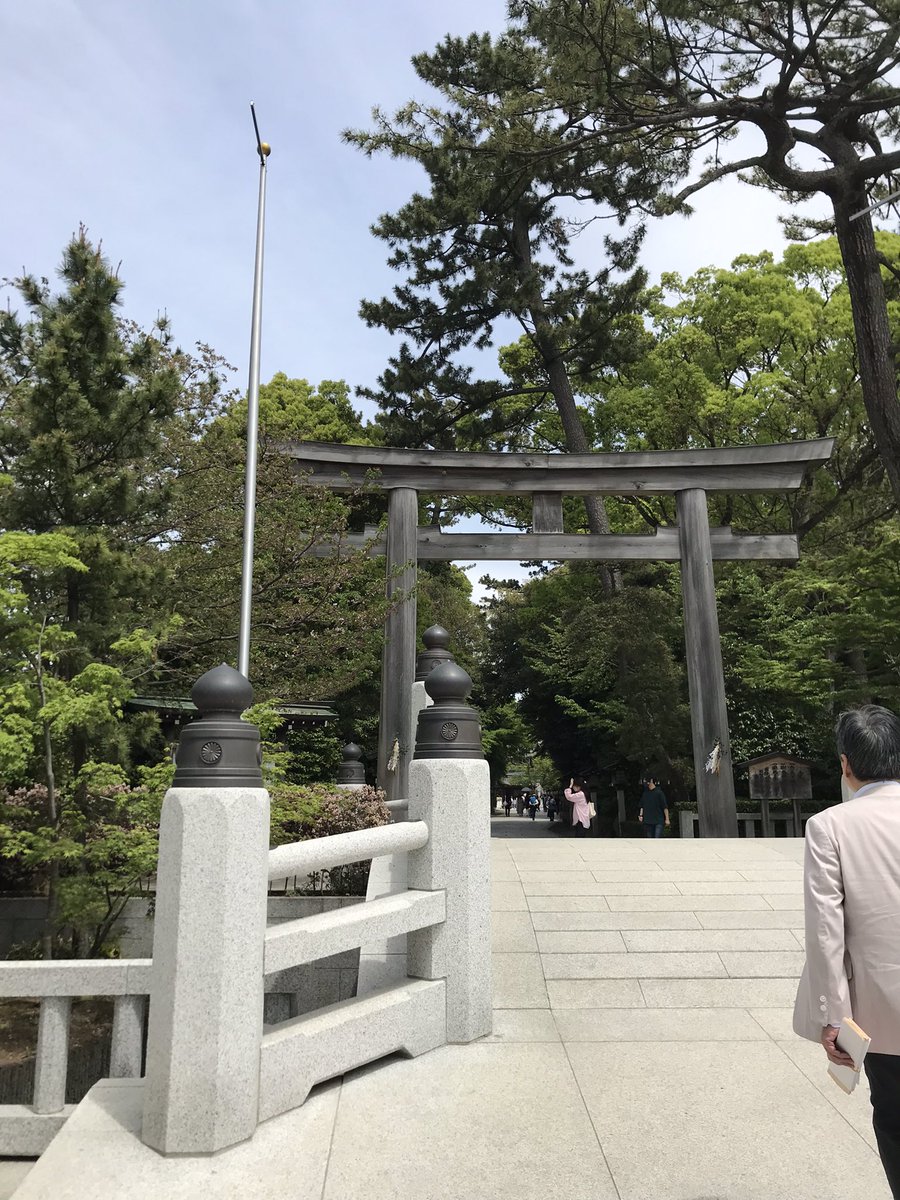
x,y
814,80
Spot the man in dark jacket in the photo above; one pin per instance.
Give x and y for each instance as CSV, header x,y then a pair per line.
x,y
654,812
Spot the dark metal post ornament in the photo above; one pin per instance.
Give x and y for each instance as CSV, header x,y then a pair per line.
x,y
449,728
351,769
219,748
436,641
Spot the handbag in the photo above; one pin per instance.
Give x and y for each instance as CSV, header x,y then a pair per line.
x,y
592,812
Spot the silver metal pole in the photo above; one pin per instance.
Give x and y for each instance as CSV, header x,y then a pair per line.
x,y
252,416
878,204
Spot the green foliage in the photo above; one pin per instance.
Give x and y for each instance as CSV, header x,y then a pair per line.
x,y
444,597
684,77
83,405
294,408
104,845
313,618
91,412
489,240
763,352
532,770
313,811
595,677
315,753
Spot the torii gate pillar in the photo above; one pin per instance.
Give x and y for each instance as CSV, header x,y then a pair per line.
x,y
716,804
396,734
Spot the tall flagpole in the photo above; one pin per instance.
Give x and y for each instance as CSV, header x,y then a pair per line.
x,y
263,149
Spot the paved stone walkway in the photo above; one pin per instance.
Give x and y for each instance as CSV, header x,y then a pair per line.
x,y
642,1050
664,973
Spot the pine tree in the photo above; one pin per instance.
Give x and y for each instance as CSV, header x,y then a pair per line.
x,y
84,398
491,241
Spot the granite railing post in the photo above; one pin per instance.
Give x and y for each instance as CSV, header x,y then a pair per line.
x,y
206,1004
450,790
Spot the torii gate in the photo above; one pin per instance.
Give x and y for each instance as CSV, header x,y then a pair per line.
x,y
689,474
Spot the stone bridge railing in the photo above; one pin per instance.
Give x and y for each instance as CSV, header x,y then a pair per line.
x,y
26,1130
213,1069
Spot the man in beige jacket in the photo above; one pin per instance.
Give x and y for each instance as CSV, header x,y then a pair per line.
x,y
852,902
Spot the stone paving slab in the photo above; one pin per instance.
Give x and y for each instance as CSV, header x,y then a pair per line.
x,y
648,874
762,964
749,920
633,966
564,887
719,993
789,887
595,993
512,932
615,921
657,1025
764,874
740,940
508,897
523,1025
777,1022
559,904
569,877
98,1155
519,981
470,1129
794,903
597,941
680,903
714,1119
681,875
504,871
12,1173
855,1109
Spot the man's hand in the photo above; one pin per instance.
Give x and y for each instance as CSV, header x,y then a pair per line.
x,y
829,1041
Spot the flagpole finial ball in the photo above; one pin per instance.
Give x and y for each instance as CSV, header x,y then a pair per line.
x,y
266,149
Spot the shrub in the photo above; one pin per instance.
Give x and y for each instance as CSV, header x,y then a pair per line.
x,y
318,810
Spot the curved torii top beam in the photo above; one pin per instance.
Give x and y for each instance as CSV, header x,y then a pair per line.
x,y
778,467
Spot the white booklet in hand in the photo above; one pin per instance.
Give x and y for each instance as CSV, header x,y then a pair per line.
x,y
854,1042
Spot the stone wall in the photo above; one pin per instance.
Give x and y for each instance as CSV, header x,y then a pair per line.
x,y
21,921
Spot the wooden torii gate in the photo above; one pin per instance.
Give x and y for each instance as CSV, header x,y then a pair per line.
x,y
689,474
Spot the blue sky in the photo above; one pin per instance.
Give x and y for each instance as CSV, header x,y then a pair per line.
x,y
133,119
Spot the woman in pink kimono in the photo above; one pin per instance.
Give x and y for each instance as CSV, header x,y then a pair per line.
x,y
581,817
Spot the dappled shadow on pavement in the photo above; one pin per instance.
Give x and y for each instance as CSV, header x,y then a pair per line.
x,y
524,827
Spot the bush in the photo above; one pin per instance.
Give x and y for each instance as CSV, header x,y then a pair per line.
x,y
318,810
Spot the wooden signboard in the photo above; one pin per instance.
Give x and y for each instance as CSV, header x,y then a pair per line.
x,y
779,777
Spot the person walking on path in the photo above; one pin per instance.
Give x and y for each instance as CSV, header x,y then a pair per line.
x,y
851,887
532,806
581,817
654,812
507,803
